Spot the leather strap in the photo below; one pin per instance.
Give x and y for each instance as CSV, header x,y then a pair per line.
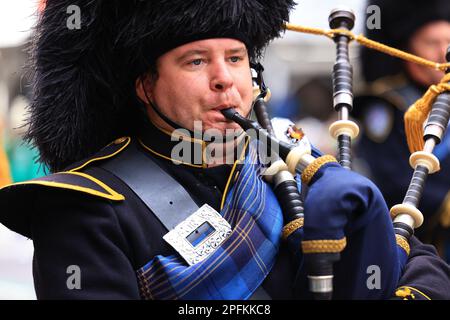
x,y
161,193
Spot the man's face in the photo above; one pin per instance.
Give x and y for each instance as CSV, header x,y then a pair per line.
x,y
429,42
196,80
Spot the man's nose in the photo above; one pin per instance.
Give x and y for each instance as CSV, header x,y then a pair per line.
x,y
221,78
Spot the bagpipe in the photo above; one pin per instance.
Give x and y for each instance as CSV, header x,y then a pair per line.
x,y
339,208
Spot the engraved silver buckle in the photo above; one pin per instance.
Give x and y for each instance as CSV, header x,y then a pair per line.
x,y
199,235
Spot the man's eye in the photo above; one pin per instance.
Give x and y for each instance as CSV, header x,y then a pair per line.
x,y
196,62
235,59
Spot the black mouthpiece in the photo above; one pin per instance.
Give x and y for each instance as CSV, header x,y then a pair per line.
x,y
228,113
233,115
272,142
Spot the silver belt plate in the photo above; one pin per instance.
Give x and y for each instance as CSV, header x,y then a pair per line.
x,y
199,235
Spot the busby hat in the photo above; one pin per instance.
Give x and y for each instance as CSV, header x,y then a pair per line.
x,y
84,78
399,21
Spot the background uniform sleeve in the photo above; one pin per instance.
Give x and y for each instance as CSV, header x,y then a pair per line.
x,y
388,162
71,229
426,275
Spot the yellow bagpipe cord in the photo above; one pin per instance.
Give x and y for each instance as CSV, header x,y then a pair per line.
x,y
416,114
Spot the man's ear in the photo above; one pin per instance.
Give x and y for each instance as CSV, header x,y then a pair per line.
x,y
144,88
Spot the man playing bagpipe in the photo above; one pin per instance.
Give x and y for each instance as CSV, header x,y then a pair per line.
x,y
155,194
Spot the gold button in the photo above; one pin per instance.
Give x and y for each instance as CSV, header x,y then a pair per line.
x,y
120,140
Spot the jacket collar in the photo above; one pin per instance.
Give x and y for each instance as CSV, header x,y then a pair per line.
x,y
178,148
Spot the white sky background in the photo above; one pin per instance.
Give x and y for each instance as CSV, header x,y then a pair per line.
x,y
314,13
16,20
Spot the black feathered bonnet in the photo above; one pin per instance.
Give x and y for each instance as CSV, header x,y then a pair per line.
x,y
84,79
400,19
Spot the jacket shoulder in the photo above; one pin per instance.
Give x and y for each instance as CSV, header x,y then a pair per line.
x,y
73,178
16,200
388,90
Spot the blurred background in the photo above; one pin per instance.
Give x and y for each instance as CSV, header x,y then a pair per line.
x,y
297,70
16,21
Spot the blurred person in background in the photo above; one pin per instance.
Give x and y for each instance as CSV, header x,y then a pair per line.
x,y
421,28
5,177
310,108
23,158
316,112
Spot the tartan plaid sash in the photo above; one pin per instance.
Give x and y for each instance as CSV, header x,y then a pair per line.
x,y
237,268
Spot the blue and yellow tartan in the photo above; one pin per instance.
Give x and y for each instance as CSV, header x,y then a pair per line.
x,y
240,265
